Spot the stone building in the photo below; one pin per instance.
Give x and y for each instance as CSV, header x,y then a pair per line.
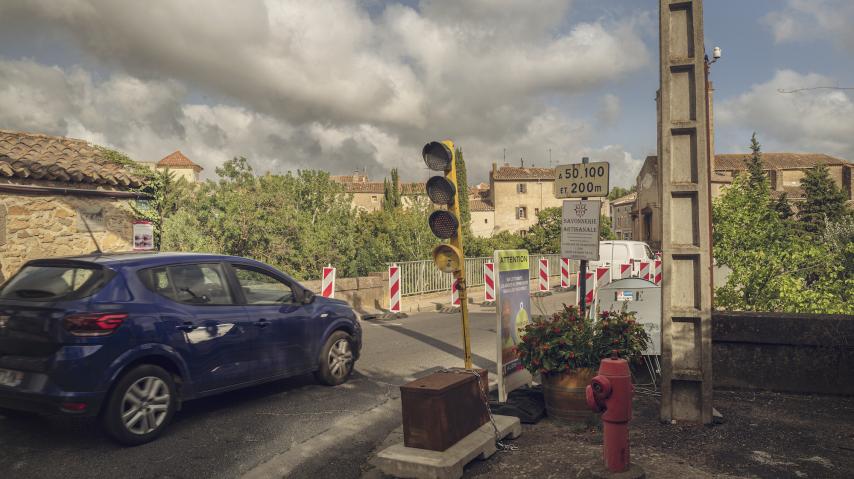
x,y
482,215
181,166
784,170
621,216
518,194
368,195
60,197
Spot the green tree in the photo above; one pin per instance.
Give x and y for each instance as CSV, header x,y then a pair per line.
x,y
823,200
619,192
463,193
544,237
605,232
165,197
782,207
758,179
486,246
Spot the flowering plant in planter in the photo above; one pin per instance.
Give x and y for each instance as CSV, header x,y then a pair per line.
x,y
567,341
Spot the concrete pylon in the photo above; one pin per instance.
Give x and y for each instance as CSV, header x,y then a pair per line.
x,y
686,346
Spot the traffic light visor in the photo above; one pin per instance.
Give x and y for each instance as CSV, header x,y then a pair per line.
x,y
440,190
447,258
437,156
443,224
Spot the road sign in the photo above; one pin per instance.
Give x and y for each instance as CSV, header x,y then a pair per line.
x,y
581,180
579,230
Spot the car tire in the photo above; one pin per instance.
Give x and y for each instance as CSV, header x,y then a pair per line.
x,y
336,359
140,405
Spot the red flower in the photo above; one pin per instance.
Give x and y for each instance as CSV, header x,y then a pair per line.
x,y
571,355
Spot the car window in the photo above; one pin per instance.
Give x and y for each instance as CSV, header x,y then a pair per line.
x,y
621,252
638,252
261,288
157,280
189,283
649,254
38,282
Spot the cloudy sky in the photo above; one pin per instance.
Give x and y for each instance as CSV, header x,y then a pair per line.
x,y
363,84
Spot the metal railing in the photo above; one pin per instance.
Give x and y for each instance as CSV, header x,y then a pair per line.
x,y
421,277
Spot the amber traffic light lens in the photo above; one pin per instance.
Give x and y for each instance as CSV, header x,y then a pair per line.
x,y
437,156
443,224
440,190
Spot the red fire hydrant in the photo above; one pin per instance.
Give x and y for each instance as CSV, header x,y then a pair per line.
x,y
610,393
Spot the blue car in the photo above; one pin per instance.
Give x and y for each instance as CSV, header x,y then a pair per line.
x,y
128,337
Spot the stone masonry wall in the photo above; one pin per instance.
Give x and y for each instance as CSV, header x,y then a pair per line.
x,y
39,226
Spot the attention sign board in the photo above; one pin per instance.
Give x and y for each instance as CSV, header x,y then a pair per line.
x,y
579,230
513,313
581,180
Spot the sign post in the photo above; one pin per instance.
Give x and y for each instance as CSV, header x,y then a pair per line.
x,y
579,232
513,313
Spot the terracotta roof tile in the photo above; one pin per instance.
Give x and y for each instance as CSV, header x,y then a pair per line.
x,y
177,160
517,173
774,161
480,204
56,158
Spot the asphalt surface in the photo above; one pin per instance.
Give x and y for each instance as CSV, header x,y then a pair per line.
x,y
294,425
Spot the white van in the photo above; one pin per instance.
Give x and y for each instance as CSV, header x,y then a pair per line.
x,y
614,253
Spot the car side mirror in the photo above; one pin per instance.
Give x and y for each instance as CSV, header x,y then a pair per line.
x,y
308,297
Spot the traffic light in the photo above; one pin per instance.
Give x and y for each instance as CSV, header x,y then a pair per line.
x,y
445,224
443,190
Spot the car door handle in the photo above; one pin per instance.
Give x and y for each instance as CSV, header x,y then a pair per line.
x,y
262,323
186,327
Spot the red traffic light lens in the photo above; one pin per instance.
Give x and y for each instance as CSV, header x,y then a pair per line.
x,y
441,191
443,224
437,156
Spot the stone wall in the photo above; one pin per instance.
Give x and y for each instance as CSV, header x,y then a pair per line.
x,y
801,353
482,223
39,226
366,294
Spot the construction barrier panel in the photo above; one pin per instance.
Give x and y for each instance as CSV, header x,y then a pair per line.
x,y
394,289
489,282
327,284
543,282
564,273
455,292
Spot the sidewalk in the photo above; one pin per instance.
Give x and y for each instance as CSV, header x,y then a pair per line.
x,y
764,435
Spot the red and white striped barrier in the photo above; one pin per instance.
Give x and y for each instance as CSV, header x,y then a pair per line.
x,y
603,276
564,273
590,284
624,270
643,270
489,281
455,292
657,272
327,282
544,275
394,303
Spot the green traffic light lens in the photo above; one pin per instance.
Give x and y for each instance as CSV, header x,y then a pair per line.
x,y
437,156
443,224
441,191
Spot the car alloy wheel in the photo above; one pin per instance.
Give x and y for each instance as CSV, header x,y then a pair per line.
x,y
145,405
340,358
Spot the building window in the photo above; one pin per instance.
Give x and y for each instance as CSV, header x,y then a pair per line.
x,y
521,188
523,233
374,199
486,221
521,213
536,211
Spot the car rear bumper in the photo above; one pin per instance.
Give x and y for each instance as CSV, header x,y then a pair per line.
x,y
55,402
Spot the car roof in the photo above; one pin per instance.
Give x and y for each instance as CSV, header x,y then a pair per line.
x,y
137,258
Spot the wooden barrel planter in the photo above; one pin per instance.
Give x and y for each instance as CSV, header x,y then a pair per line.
x,y
564,395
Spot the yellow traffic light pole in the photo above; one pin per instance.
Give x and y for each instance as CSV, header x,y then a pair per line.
x,y
457,241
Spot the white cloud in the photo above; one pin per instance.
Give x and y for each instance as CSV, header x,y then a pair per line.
x,y
325,84
810,120
812,19
609,111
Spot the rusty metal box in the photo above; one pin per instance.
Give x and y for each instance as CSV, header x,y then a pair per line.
x,y
441,409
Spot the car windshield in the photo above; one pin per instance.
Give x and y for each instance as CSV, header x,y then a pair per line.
x,y
52,282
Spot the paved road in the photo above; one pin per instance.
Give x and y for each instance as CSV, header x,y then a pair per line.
x,y
292,427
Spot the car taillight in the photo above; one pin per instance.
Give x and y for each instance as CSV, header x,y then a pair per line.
x,y
93,324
